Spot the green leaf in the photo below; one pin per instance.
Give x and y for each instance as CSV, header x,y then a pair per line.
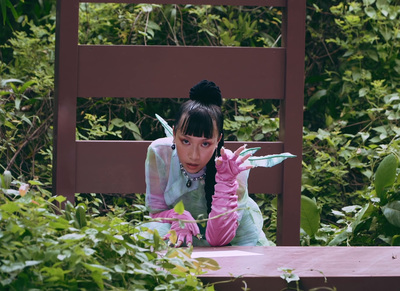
x,y
179,207
60,223
10,207
60,199
118,122
370,11
32,263
385,174
314,98
96,267
339,238
26,85
72,236
133,127
6,179
121,250
310,217
392,212
395,240
35,183
12,267
363,214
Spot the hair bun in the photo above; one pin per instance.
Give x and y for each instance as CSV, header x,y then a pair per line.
x,y
206,92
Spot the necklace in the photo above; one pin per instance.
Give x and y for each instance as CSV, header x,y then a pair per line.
x,y
189,179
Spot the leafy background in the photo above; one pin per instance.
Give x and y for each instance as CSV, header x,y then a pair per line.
x,y
350,189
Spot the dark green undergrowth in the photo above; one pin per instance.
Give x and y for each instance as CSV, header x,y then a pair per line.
x,y
351,109
44,247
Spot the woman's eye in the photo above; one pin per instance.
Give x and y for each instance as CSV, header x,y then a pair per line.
x,y
206,144
185,141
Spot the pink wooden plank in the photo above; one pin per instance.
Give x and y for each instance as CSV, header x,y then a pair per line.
x,y
118,167
346,268
163,71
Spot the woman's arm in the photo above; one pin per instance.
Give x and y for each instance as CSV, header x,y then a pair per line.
x,y
184,230
222,229
157,171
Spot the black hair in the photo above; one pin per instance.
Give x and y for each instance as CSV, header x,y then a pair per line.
x,y
197,117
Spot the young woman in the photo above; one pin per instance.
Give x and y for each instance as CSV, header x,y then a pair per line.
x,y
193,167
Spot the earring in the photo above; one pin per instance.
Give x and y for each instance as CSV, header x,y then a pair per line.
x,y
173,146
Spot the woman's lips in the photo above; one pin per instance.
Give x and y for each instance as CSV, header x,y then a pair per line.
x,y
192,166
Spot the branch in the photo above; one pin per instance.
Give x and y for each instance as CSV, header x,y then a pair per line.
x,y
159,219
31,137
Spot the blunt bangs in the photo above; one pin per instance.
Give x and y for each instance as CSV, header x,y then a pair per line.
x,y
200,121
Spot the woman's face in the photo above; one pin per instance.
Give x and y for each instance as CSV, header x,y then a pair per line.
x,y
194,152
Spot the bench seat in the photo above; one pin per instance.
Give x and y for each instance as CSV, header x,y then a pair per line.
x,y
345,268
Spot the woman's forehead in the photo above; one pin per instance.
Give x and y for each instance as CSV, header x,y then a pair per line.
x,y
215,135
189,124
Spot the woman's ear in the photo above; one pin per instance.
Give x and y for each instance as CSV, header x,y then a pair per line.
x,y
219,139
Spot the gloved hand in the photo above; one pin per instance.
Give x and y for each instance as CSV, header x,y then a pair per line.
x,y
183,234
220,231
229,165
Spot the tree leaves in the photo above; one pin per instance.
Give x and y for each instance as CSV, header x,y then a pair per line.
x,y
45,247
392,212
179,207
385,174
310,217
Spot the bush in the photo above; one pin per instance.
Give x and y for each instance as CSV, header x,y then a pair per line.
x,y
44,247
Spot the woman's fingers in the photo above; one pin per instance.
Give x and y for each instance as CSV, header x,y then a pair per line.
x,y
234,159
239,150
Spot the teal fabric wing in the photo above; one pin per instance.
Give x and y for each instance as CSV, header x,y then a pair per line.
x,y
251,151
261,161
167,128
269,160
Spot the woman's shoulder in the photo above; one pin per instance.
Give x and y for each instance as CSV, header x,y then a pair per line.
x,y
161,147
164,142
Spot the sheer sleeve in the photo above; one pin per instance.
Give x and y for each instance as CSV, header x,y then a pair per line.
x,y
230,188
156,171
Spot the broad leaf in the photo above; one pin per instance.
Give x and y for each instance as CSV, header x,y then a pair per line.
x,y
385,174
392,212
179,207
310,217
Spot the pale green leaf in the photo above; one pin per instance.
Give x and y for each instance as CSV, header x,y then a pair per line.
x,y
392,212
179,207
72,236
310,217
385,174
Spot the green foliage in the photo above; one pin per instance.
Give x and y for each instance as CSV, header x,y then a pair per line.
x,y
16,14
351,118
24,118
366,63
310,218
351,112
375,223
184,25
249,121
44,247
385,175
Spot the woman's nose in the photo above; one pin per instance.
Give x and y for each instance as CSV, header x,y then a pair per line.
x,y
195,153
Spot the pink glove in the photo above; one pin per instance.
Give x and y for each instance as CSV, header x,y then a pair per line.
x,y
222,230
183,234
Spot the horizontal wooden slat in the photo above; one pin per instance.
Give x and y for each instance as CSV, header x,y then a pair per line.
x,y
118,167
319,268
276,3
123,71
